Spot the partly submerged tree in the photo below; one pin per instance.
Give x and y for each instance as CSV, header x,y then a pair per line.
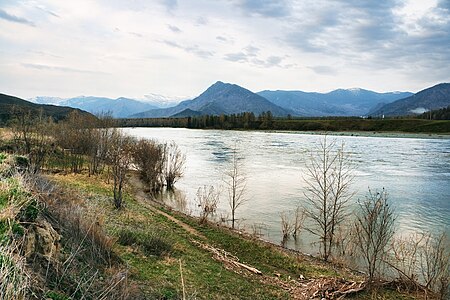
x,y
374,228
236,184
328,178
207,199
148,158
174,161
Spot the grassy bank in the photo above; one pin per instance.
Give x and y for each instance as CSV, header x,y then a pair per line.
x,y
142,226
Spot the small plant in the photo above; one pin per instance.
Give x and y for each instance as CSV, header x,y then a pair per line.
x,y
207,199
3,156
128,237
151,243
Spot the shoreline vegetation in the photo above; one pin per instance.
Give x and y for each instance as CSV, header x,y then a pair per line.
x,y
337,125
77,223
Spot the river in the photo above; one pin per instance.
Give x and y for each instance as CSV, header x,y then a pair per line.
x,y
415,172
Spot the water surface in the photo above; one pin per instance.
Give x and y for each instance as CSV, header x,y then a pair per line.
x,y
415,173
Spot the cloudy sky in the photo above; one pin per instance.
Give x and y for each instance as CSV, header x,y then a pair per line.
x,y
131,48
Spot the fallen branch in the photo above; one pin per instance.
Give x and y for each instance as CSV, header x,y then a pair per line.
x,y
226,257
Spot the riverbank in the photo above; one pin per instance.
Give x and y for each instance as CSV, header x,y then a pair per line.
x,y
372,134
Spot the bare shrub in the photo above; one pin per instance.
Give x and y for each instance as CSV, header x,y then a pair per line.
x,y
207,198
148,157
423,261
287,227
174,161
299,220
329,177
374,229
120,157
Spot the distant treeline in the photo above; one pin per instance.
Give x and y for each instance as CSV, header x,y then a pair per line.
x,y
266,121
439,114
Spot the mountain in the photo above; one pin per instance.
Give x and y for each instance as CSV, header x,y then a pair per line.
x,y
432,98
220,98
10,104
161,101
341,102
187,113
119,108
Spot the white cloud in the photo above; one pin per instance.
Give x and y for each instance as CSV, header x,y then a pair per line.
x,y
131,48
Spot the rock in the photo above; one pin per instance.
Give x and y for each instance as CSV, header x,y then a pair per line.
x,y
42,238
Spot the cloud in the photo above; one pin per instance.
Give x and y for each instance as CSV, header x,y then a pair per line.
x,y
324,70
59,69
266,8
12,18
201,21
136,34
195,49
174,28
236,57
221,38
250,55
42,8
170,4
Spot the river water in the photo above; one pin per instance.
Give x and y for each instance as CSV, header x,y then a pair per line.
x,y
415,172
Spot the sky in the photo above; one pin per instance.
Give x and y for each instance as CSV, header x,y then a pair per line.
x,y
131,48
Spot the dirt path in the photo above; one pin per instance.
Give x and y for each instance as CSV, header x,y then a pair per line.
x,y
146,200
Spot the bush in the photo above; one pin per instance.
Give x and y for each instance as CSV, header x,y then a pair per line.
x,y
151,243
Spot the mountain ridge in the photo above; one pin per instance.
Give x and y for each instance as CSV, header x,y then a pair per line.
x,y
220,98
431,98
8,105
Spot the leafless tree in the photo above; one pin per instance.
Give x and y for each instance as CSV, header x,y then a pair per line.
x,y
174,161
374,229
236,184
329,176
207,199
32,134
119,156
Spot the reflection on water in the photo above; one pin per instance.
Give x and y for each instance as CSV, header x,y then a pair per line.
x,y
414,172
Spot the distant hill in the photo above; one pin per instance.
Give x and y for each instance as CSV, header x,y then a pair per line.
x,y
220,98
119,108
432,98
10,104
341,102
187,113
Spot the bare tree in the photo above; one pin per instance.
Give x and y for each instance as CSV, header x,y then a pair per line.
x,y
236,184
374,229
32,136
174,161
207,199
119,156
329,176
